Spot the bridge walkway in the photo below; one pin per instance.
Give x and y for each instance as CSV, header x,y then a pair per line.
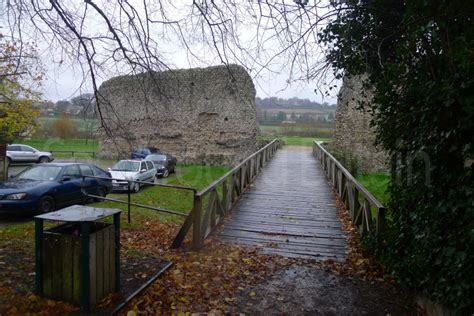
x,y
290,210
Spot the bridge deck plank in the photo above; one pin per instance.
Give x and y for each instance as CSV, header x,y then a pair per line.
x,y
290,210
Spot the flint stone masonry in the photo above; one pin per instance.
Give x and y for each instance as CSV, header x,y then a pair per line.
x,y
353,133
203,116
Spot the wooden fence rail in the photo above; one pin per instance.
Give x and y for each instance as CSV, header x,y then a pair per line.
x,y
215,201
73,152
355,196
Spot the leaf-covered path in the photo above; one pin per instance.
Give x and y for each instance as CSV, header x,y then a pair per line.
x,y
290,210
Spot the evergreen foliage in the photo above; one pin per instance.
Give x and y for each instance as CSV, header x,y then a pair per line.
x,y
418,58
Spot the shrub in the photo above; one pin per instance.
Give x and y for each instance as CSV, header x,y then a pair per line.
x,y
64,127
418,58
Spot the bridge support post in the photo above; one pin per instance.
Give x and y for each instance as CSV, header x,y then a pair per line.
x,y
197,234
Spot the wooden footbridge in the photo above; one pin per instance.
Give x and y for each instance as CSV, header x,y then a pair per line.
x,y
283,201
290,210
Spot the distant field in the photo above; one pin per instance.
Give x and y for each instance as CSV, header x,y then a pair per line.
x,y
82,124
296,111
324,130
61,144
302,141
272,129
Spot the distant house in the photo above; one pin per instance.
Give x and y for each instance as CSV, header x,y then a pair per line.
x,y
73,110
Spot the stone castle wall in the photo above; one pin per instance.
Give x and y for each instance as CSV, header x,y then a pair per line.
x,y
203,116
353,133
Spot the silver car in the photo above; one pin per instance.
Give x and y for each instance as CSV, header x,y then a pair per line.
x,y
25,153
134,170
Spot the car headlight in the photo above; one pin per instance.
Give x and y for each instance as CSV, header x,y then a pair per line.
x,y
16,196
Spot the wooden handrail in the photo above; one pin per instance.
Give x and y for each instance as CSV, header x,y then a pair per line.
x,y
73,152
236,168
348,188
210,205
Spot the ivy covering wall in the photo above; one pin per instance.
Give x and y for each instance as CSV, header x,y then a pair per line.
x,y
419,58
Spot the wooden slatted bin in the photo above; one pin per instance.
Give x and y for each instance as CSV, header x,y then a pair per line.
x,y
63,259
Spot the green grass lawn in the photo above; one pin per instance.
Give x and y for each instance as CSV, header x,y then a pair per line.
x,y
177,200
60,144
297,140
181,201
377,184
301,141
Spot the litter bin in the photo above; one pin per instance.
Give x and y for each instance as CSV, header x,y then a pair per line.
x,y
78,261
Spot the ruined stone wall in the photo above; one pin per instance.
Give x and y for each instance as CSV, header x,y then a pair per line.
x,y
353,133
203,116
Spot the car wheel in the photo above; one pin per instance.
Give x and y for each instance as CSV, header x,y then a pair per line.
x,y
46,204
9,160
166,173
102,192
43,159
136,187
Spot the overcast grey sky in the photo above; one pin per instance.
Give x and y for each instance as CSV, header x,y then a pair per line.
x,y
63,82
247,44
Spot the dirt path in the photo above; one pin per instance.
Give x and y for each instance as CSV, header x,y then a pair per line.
x,y
303,290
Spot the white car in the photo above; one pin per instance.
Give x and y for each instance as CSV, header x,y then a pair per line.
x,y
25,153
134,170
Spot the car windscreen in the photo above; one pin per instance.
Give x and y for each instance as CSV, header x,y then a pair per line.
x,y
156,157
40,172
125,165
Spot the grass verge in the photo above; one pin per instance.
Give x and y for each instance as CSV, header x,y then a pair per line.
x,y
177,200
377,184
301,141
60,144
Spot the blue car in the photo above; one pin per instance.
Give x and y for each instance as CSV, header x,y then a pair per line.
x,y
47,187
141,153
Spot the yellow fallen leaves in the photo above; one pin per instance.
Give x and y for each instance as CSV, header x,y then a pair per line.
x,y
247,260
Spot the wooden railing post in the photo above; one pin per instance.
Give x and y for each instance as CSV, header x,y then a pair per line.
x,y
381,221
224,195
197,233
240,177
348,188
234,185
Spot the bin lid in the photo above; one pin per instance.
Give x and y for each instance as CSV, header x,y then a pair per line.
x,y
79,213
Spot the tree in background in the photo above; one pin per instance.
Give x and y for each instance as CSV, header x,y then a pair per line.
x,y
19,75
331,116
281,116
86,101
64,128
62,105
417,57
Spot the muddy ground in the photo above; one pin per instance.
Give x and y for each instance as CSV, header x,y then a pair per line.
x,y
305,290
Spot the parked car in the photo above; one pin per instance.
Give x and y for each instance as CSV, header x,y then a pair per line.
x,y
25,153
46,187
141,153
164,164
134,170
